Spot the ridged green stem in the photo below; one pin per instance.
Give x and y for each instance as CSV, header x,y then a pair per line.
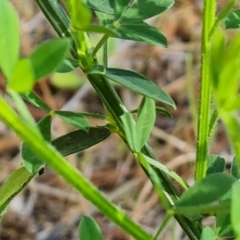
x,y
208,20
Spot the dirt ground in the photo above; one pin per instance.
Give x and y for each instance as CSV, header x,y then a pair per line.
x,y
48,208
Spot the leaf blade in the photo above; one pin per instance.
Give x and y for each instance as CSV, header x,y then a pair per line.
x,y
208,234
9,36
120,7
89,229
232,19
104,6
235,171
48,56
73,118
142,32
223,220
206,191
145,121
33,98
129,126
215,164
79,140
144,9
79,10
138,83
12,186
22,79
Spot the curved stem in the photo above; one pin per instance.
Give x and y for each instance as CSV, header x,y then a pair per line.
x,y
162,226
100,44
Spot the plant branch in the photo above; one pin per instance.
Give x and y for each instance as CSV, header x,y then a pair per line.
x,y
100,44
162,226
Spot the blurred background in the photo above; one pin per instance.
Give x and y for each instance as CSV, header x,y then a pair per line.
x,y
48,208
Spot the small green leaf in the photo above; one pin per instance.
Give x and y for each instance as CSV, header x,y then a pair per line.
x,y
120,6
79,13
12,186
48,56
9,38
130,131
207,191
142,32
235,206
208,234
67,80
224,227
163,111
73,118
145,121
79,140
89,229
32,162
235,170
164,169
35,101
67,65
23,78
138,83
144,9
101,6
156,181
105,19
223,219
231,56
218,44
232,103
101,29
215,164
232,19
225,88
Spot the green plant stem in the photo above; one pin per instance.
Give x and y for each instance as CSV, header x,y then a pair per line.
x,y
205,91
47,153
162,226
58,19
100,44
22,109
